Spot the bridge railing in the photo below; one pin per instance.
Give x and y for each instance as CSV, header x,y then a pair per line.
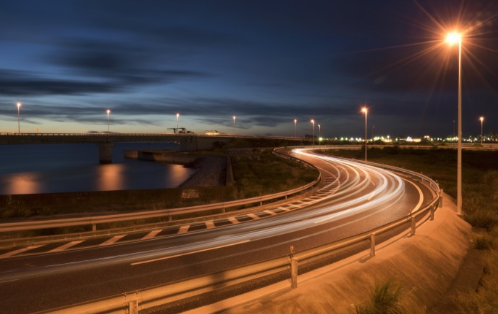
x,y
282,268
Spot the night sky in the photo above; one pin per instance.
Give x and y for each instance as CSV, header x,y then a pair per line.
x,y
266,62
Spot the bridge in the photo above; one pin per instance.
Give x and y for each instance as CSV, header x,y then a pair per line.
x,y
105,141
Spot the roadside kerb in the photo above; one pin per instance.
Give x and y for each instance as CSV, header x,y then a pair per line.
x,y
196,287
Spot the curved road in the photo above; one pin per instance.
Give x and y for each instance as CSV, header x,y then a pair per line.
x,y
353,198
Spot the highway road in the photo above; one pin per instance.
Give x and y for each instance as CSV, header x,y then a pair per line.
x,y
353,198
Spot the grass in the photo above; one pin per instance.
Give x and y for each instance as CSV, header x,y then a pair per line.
x,y
480,203
385,299
265,173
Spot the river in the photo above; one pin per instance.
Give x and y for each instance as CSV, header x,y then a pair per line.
x,y
56,168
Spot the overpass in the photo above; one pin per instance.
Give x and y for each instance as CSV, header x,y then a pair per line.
x,y
105,141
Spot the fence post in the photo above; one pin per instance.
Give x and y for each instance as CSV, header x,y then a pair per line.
x,y
372,244
132,301
414,227
433,209
294,268
94,227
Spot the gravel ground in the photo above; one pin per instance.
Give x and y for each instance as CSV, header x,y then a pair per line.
x,y
211,172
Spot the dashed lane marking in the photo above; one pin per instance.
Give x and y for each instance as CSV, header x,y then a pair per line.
x,y
210,224
270,212
10,254
233,220
112,240
183,229
152,234
253,216
65,246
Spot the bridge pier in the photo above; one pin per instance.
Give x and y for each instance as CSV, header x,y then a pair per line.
x,y
105,152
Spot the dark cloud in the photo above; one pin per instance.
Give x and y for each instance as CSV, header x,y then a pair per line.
x,y
15,83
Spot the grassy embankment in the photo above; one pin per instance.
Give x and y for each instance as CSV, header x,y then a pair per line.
x,y
480,205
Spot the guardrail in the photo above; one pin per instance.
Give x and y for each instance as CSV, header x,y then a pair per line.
x,y
243,278
170,213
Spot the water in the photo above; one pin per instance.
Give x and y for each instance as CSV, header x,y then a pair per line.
x,y
55,168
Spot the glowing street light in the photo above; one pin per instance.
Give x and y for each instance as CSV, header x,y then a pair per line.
x,y
234,118
365,111
313,122
482,120
108,113
295,127
177,117
453,38
19,117
319,134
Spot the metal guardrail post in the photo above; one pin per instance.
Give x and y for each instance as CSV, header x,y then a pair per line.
x,y
414,226
433,209
372,244
94,227
294,268
132,300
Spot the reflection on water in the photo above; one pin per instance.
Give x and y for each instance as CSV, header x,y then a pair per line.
x,y
28,169
110,177
23,183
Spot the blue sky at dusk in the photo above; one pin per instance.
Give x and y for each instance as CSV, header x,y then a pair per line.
x,y
266,62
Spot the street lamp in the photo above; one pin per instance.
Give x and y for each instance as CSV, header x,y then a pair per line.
x,y
177,117
234,118
482,120
453,38
319,134
365,111
313,122
108,113
19,117
295,127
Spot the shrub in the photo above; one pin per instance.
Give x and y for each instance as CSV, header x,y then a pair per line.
x,y
385,299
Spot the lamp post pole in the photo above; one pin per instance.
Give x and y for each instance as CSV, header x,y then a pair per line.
x,y
482,120
177,117
19,117
295,127
365,111
319,134
108,113
313,122
451,39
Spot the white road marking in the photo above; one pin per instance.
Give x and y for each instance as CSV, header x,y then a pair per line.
x,y
253,216
421,198
233,220
189,253
10,254
183,229
210,224
112,240
65,246
152,234
269,212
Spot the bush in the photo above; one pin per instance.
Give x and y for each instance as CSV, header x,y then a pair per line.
x,y
385,299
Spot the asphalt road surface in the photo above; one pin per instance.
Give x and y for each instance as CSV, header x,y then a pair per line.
x,y
353,198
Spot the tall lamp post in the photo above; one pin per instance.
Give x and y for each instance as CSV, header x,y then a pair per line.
x,y
313,122
365,111
453,38
482,120
108,113
234,118
177,117
295,127
19,117
319,134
